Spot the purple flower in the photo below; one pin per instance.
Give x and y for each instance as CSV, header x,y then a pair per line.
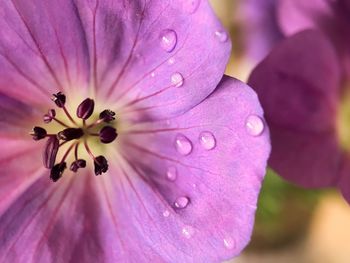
x,y
180,181
329,16
299,86
303,87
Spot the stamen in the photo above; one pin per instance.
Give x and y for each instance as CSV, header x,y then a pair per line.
x,y
108,134
58,169
78,163
49,116
55,141
100,162
85,109
70,134
38,133
50,153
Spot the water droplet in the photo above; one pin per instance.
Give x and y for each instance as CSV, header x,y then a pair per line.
x,y
177,79
191,6
207,140
153,74
166,213
229,243
188,231
254,125
171,61
168,40
171,174
221,35
181,202
183,145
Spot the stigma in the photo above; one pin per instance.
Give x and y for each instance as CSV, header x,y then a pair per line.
x,y
74,135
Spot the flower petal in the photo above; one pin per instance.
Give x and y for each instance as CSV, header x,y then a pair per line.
x,y
165,56
298,84
20,166
197,196
260,28
16,118
298,15
129,214
42,49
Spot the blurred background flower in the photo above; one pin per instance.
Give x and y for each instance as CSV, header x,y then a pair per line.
x,y
292,224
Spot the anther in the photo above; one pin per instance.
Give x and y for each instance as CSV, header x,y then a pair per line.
x,y
77,164
49,116
85,109
101,165
38,133
50,153
107,116
70,134
108,134
60,99
57,171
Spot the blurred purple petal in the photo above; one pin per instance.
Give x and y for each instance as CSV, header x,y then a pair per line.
x,y
298,85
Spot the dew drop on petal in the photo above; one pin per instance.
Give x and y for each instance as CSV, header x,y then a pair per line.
x,y
171,173
188,231
153,74
221,35
177,79
171,61
166,213
181,202
191,6
168,40
207,140
254,125
183,145
229,243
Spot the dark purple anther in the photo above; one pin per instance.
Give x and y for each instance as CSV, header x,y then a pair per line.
x,y
101,165
107,116
57,171
77,164
108,134
59,99
38,133
70,134
85,109
49,116
50,153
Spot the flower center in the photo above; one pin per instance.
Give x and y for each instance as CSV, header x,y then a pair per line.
x,y
343,121
68,135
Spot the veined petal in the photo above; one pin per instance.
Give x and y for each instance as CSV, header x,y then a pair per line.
x,y
194,177
42,49
298,85
161,56
135,213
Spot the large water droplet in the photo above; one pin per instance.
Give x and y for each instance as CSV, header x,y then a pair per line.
x,y
221,35
188,231
191,6
181,202
171,173
207,140
177,79
153,74
183,145
166,213
168,40
254,125
229,243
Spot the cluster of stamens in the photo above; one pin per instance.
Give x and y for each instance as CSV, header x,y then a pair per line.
x,y
75,135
